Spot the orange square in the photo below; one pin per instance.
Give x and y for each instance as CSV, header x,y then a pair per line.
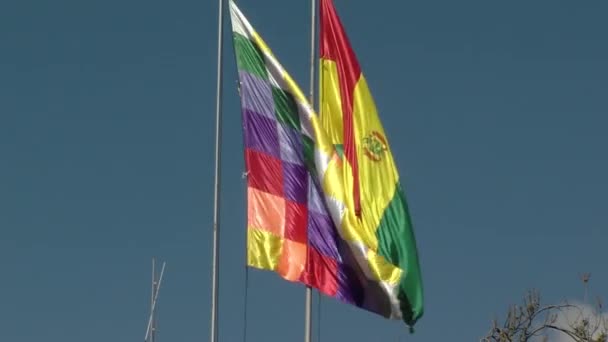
x,y
293,260
265,212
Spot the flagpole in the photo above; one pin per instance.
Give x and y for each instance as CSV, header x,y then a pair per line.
x,y
313,16
216,196
153,319
151,329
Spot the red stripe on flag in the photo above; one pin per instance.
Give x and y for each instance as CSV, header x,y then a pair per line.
x,y
335,46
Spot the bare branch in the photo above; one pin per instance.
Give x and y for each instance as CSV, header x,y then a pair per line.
x,y
531,320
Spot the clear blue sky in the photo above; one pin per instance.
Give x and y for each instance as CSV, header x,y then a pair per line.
x,y
496,112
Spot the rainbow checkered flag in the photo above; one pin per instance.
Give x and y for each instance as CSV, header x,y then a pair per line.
x,y
297,191
290,230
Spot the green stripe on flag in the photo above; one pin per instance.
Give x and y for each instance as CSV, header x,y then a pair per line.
x,y
396,243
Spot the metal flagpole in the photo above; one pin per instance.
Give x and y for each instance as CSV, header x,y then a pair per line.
x,y
313,16
152,313
216,197
149,331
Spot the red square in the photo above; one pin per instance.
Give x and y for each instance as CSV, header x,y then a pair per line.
x,y
296,222
321,273
265,172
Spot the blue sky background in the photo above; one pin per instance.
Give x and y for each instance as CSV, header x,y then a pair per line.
x,y
496,113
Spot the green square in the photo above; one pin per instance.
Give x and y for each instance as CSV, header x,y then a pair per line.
x,y
248,57
309,152
285,108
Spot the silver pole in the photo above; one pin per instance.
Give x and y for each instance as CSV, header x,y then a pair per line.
x,y
154,300
308,311
152,337
307,325
216,197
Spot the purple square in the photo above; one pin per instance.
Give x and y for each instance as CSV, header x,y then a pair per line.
x,y
256,95
322,235
353,283
350,288
290,144
295,178
261,133
315,201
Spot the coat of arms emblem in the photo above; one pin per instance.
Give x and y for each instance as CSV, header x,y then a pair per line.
x,y
374,146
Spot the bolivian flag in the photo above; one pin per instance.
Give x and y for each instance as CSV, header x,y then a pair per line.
x,y
367,200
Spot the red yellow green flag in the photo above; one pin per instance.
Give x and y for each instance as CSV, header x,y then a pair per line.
x,y
373,215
